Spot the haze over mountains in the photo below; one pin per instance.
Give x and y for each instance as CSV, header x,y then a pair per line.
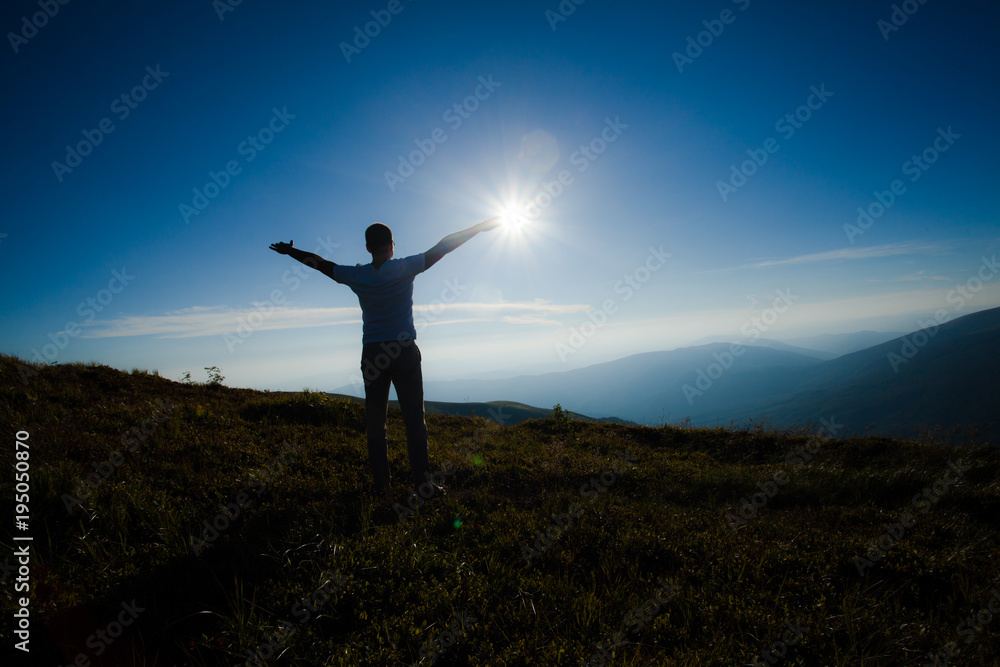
x,y
825,346
942,376
839,344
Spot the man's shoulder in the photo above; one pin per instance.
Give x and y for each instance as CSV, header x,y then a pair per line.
x,y
392,269
412,264
347,274
409,258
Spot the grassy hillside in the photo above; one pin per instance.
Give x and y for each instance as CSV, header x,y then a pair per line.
x,y
559,542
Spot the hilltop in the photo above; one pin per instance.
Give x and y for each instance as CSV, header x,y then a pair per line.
x,y
221,526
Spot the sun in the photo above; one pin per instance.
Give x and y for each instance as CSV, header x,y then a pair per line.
x,y
520,233
513,217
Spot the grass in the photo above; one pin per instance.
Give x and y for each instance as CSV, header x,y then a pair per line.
x,y
632,558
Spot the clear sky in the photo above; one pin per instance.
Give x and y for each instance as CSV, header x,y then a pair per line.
x,y
686,161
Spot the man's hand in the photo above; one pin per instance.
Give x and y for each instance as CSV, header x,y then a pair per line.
x,y
310,259
487,225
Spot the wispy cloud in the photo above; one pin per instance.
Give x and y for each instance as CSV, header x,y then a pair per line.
x,y
850,253
530,319
886,250
218,320
537,306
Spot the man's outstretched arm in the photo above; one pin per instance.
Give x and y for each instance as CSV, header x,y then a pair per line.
x,y
452,241
310,259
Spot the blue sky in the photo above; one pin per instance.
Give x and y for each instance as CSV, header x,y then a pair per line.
x,y
517,104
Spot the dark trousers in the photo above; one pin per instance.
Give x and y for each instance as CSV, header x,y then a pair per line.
x,y
397,362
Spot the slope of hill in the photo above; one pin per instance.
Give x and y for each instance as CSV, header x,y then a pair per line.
x,y
943,376
180,524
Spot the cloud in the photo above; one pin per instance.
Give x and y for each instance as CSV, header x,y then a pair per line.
x,y
537,305
530,319
218,320
850,253
887,250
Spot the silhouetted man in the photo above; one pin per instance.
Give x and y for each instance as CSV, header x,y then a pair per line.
x,y
389,350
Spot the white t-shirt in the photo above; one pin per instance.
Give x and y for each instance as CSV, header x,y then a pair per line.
x,y
385,295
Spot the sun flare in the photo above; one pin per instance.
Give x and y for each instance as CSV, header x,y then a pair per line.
x,y
513,217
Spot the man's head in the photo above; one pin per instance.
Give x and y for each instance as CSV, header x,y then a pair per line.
x,y
378,238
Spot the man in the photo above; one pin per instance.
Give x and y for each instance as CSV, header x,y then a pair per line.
x,y
389,350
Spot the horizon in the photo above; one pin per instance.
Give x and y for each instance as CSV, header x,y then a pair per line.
x,y
308,383
684,170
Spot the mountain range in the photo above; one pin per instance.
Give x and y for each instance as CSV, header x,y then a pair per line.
x,y
941,377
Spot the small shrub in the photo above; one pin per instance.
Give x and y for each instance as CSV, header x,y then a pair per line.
x,y
215,376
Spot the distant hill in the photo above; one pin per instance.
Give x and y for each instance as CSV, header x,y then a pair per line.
x,y
773,344
949,383
645,388
845,343
824,346
506,413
